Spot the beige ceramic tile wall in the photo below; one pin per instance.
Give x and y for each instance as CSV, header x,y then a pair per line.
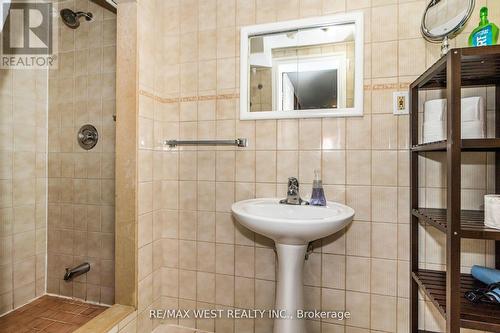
x,y
81,183
191,253
148,270
129,323
23,185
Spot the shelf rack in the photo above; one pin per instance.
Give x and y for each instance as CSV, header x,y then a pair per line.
x,y
461,67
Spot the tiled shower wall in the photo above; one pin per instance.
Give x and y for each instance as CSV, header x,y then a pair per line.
x,y
81,183
192,254
23,185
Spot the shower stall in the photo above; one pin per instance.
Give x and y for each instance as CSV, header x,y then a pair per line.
x,y
57,155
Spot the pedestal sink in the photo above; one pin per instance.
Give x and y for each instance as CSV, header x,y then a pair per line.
x,y
291,227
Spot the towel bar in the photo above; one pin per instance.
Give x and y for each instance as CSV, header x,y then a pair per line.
x,y
240,142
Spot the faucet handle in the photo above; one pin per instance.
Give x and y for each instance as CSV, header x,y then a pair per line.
x,y
292,195
293,183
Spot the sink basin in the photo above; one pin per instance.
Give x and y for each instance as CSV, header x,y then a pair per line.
x,y
290,224
292,228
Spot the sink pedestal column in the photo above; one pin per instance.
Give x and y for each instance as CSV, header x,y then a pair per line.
x,y
289,291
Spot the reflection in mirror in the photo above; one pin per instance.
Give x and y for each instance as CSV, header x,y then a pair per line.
x,y
444,19
443,16
302,69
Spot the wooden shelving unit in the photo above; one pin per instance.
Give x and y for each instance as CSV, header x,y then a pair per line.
x,y
474,316
459,68
471,221
466,145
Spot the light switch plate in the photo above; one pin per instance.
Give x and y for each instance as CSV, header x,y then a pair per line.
x,y
400,100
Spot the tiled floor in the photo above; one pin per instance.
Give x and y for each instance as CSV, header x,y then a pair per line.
x,y
49,314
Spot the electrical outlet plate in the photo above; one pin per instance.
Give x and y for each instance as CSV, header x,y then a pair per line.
x,y
400,100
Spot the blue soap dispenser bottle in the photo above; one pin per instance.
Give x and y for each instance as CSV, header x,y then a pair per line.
x,y
318,194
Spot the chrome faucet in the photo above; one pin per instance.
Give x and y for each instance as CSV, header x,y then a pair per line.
x,y
292,194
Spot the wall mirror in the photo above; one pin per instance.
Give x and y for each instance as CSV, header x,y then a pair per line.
x,y
303,68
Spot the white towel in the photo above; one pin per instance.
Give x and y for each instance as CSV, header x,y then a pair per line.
x,y
437,131
473,119
434,131
473,129
435,110
434,126
472,108
492,211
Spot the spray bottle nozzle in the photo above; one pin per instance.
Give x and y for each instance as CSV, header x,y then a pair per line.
x,y
317,174
317,178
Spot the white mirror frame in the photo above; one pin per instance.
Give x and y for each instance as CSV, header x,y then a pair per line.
x,y
357,110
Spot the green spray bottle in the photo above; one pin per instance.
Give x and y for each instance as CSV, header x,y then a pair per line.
x,y
486,33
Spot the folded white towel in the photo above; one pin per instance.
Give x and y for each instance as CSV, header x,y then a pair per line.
x,y
492,211
472,108
433,138
437,132
434,125
435,110
473,129
434,131
473,119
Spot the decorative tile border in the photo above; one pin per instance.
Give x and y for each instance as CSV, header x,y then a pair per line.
x,y
388,86
164,100
187,98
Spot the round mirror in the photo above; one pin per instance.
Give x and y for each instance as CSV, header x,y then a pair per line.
x,y
444,19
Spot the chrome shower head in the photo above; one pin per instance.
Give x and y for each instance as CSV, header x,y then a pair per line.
x,y
72,19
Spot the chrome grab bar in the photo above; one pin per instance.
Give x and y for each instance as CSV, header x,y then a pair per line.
x,y
240,142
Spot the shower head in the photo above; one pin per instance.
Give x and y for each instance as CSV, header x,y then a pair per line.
x,y
72,19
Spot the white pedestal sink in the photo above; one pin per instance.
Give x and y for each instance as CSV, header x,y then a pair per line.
x,y
291,227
